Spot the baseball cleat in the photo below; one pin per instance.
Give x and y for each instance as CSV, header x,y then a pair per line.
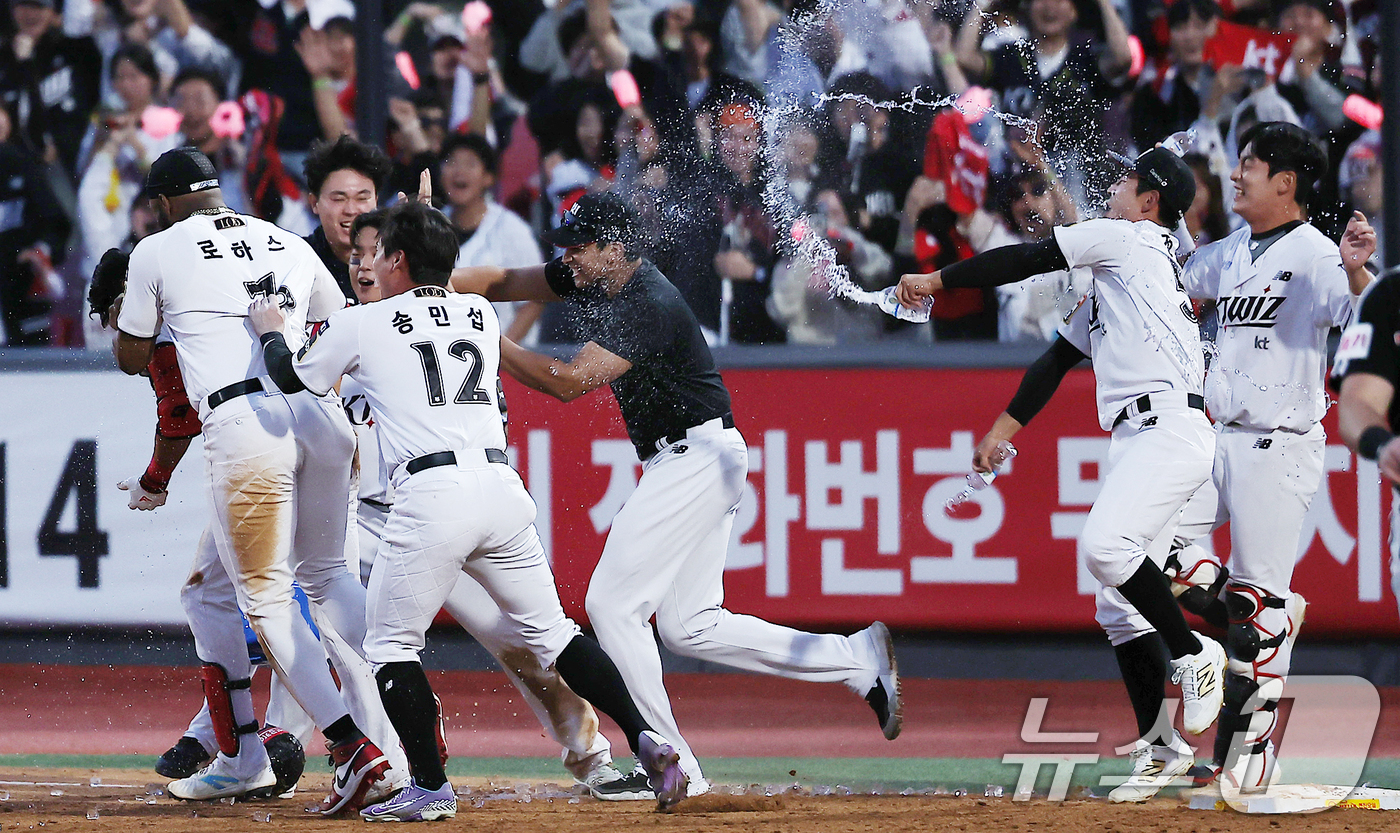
x,y
1203,775
183,759
1154,766
1201,676
884,696
221,779
413,803
635,786
359,765
663,768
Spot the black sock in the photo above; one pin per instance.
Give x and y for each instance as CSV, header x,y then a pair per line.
x,y
408,700
341,731
1150,592
1143,664
590,672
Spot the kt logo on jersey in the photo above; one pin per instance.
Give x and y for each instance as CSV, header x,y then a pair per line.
x,y
1250,310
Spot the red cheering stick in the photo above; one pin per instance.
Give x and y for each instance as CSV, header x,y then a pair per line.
x,y
476,16
624,88
1363,111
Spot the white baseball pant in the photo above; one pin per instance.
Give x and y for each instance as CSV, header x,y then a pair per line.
x,y
665,557
279,470
568,718
474,517
211,606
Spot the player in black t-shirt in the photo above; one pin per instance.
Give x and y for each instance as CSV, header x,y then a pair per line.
x,y
1367,369
666,550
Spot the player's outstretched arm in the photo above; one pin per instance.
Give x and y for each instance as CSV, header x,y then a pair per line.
x,y
994,267
133,353
592,368
494,283
1361,418
1039,384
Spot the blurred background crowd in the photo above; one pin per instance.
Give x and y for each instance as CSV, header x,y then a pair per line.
x,y
911,133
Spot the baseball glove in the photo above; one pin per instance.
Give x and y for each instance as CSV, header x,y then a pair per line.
x,y
108,282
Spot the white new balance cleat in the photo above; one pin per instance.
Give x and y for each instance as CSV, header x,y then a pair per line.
x,y
1202,679
1154,766
222,779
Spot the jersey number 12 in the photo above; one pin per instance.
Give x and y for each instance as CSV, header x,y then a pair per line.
x,y
463,350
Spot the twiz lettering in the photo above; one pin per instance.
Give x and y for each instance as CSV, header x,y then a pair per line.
x,y
1250,310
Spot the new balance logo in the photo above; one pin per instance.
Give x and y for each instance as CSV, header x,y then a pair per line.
x,y
1251,310
1263,442
679,449
1149,422
1284,276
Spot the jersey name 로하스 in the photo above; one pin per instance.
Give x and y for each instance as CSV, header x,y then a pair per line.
x,y
200,275
1276,308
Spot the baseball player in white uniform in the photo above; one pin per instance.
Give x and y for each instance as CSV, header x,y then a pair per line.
x,y
427,361
272,460
568,718
1280,286
665,553
1138,327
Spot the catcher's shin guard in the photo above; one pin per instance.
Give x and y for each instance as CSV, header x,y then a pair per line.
x,y
1260,652
217,688
1197,579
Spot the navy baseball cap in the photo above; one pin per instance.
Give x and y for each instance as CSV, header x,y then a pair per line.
x,y
180,171
1167,174
594,217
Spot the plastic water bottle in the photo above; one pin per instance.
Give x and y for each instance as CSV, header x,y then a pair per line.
x,y
890,305
979,480
1182,142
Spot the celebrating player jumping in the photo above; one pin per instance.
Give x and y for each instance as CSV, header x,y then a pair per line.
x,y
1137,326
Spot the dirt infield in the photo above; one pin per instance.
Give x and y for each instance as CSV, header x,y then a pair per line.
x,y
123,801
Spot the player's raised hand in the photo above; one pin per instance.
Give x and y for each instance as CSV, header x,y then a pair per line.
x,y
265,316
139,498
1358,242
913,290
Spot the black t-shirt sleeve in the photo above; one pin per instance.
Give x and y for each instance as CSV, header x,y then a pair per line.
x,y
560,278
1368,345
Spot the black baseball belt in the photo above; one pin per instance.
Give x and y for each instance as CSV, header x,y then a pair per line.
x,y
669,440
1143,404
449,458
234,391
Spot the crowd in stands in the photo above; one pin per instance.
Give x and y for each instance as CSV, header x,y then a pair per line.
x,y
909,133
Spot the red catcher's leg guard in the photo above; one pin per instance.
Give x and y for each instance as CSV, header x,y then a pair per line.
x,y
216,688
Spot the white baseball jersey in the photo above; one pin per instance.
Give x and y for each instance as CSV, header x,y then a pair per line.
x,y
198,277
1136,323
373,478
427,360
1275,313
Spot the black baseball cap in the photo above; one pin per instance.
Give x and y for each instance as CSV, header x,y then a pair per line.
x,y
1166,173
180,171
606,217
